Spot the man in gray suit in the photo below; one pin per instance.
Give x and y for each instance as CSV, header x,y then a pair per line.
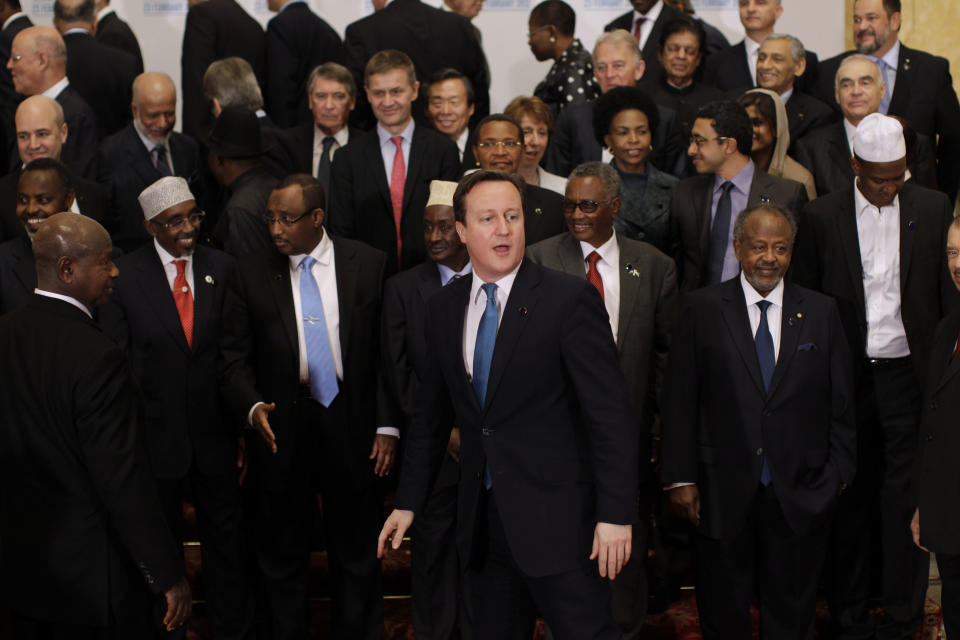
x,y
638,285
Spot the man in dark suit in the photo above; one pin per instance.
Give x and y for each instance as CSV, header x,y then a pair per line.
x,y
165,313
297,41
379,182
215,29
114,32
714,41
638,285
646,23
704,207
300,344
13,20
908,73
433,39
451,104
527,513
38,63
141,153
758,434
87,551
877,248
103,75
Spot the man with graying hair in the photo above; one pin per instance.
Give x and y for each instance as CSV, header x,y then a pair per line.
x,y
94,558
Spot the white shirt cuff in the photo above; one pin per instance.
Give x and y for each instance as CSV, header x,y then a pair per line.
x,y
388,431
678,484
250,413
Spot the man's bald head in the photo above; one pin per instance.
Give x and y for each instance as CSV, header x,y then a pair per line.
x,y
41,130
73,257
38,60
154,105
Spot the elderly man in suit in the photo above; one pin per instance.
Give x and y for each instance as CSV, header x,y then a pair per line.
x,y
638,285
877,248
113,31
87,551
532,361
646,23
758,434
13,21
704,207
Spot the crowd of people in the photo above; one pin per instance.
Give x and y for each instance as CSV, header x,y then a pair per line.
x,y
686,297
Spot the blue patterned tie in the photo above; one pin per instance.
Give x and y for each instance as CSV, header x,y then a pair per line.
x,y
483,355
719,235
768,361
323,374
885,102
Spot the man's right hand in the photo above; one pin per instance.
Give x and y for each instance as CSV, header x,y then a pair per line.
x,y
262,424
179,603
395,526
685,501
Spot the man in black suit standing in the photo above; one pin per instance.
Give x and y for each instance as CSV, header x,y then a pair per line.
x,y
527,513
300,344
165,313
638,285
87,551
758,434
645,23
114,32
12,21
877,248
379,182
907,73
704,207
451,104
713,40
297,41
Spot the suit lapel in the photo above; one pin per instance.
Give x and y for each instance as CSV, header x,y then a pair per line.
x,y
279,278
416,161
203,282
629,288
348,273
153,283
702,203
839,152
139,158
429,282
850,239
382,180
903,88
24,267
571,257
734,314
791,323
943,351
907,239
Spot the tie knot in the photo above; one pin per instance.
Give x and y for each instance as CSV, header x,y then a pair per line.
x,y
307,262
159,148
489,288
593,258
397,140
764,305
328,142
181,266
726,187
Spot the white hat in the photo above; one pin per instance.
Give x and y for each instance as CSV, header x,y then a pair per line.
x,y
163,194
879,138
441,192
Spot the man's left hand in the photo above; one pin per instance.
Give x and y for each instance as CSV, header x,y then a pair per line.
x,y
385,452
611,547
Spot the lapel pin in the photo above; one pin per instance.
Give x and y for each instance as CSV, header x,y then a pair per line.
x,y
799,315
632,270
523,311
208,279
765,200
906,64
790,321
909,224
538,211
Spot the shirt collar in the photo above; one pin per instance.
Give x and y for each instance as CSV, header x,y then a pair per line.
x,y
752,47
851,130
651,15
57,88
168,258
77,30
462,140
342,136
103,13
446,272
406,134
741,181
751,295
147,141
322,253
6,23
504,285
786,94
608,250
892,57
67,299
861,203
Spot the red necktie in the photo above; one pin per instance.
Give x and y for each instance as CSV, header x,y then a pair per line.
x,y
956,349
636,28
184,300
593,276
397,178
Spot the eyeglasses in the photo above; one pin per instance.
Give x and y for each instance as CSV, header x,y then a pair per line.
x,y
587,206
286,221
16,59
537,30
195,218
699,141
499,144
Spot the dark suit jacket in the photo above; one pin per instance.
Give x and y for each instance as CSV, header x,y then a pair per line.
x,y
103,76
240,229
88,537
300,140
9,99
827,258
806,114
652,45
90,196
729,71
261,354
433,39
215,29
572,141
690,218
719,423
79,152
297,40
554,378
126,168
114,32
649,303
923,95
359,203
937,472
18,273
542,214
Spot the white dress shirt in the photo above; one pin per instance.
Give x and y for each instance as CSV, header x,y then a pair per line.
x,y
476,305
649,19
340,139
753,53
851,130
462,142
170,269
774,311
878,231
389,150
57,88
608,266
68,299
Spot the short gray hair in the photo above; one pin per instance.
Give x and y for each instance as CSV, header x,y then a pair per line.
x,y
620,37
767,207
602,171
335,73
797,50
232,82
856,57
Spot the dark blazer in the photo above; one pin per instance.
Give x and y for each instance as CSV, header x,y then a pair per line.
x,y
89,536
126,168
646,216
572,141
79,152
9,99
90,197
690,218
300,140
805,114
936,114
728,70
261,354
719,423
103,76
649,302
554,379
827,258
297,40
652,46
542,214
18,273
114,32
183,417
937,472
359,203
215,29
240,229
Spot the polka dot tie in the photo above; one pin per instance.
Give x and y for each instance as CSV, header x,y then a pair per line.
x,y
184,300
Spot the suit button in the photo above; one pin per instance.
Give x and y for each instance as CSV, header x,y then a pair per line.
x,y
933,406
760,451
485,431
929,437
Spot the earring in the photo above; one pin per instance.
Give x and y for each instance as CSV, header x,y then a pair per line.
x,y
552,40
651,147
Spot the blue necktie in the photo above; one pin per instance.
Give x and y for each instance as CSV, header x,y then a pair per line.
x,y
719,235
483,355
768,361
323,374
160,154
885,102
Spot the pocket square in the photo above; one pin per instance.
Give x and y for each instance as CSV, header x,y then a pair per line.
x,y
809,346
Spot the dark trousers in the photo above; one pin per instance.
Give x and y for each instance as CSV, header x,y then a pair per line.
x,y
875,512
282,513
767,562
136,628
576,604
217,502
949,566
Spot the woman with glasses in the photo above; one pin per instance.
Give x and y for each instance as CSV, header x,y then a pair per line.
x,y
536,122
624,121
771,138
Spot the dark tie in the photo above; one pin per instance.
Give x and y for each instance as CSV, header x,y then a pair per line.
x,y
593,276
323,165
767,359
160,160
483,354
636,28
719,235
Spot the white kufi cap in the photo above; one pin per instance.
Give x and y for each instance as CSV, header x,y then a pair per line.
x,y
163,194
441,192
879,138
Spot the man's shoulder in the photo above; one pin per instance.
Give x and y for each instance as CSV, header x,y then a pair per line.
x,y
124,138
357,251
409,279
624,21
923,60
829,205
12,249
916,197
781,186
178,139
637,249
694,183
820,136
